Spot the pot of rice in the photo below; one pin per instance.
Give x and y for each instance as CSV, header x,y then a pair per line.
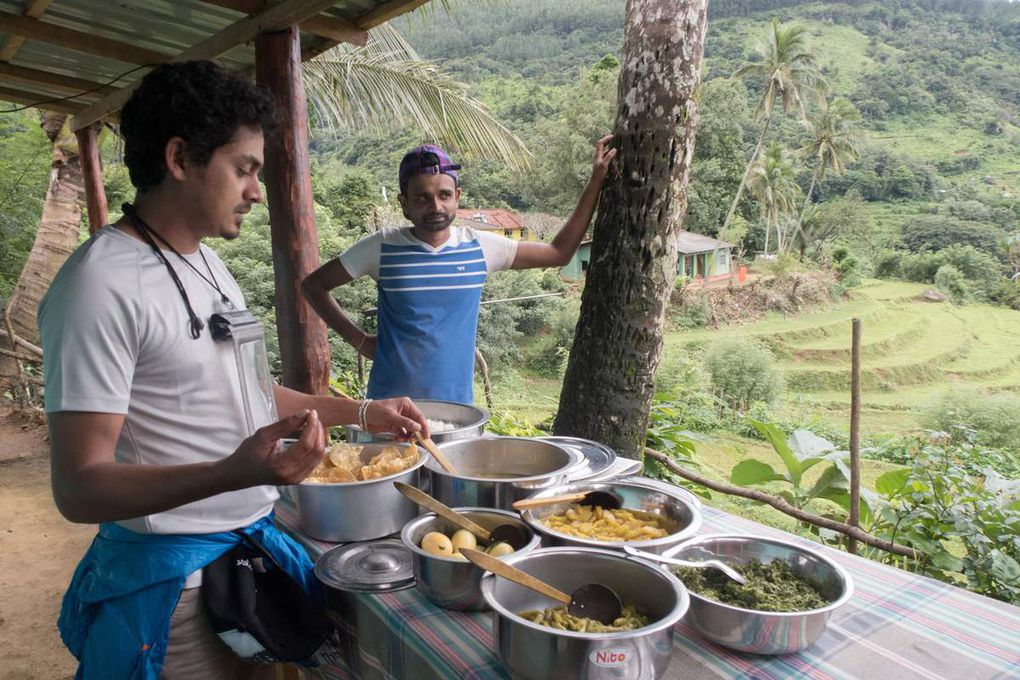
x,y
447,420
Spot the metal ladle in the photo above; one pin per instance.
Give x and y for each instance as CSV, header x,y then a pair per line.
x,y
504,533
589,601
700,564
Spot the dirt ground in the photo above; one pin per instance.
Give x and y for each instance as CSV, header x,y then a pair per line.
x,y
38,552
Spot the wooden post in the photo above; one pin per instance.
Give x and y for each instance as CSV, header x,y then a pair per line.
x,y
92,173
855,432
303,347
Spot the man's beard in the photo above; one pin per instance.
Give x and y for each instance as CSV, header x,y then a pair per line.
x,y
438,225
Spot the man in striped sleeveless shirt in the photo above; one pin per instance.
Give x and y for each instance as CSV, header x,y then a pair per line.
x,y
430,276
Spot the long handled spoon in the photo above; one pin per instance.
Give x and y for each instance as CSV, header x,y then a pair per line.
x,y
590,601
700,564
607,500
436,453
505,533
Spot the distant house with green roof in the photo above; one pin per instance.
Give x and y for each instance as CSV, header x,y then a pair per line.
x,y
703,257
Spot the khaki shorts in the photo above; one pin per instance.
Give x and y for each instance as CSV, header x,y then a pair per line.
x,y
195,651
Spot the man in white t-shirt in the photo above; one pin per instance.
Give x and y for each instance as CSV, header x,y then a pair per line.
x,y
149,434
429,278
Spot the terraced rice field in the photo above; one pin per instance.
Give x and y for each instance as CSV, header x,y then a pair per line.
x,y
913,352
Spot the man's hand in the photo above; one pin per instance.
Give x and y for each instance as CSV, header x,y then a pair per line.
x,y
261,460
602,159
399,416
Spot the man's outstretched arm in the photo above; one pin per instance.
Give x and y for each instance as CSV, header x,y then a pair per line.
x,y
317,289
558,252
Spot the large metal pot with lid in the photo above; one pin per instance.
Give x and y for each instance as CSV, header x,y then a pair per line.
x,y
350,572
494,472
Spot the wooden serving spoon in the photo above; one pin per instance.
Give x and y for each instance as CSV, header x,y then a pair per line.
x,y
589,601
607,500
504,533
440,457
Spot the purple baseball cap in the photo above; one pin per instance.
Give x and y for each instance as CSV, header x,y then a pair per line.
x,y
427,159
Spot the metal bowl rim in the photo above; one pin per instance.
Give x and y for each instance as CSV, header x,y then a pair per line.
x,y
533,543
423,458
483,418
506,480
667,621
848,584
684,534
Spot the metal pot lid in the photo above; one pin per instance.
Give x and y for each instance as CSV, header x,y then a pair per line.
x,y
368,566
595,457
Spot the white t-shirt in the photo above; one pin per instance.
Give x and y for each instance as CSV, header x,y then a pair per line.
x,y
362,259
115,336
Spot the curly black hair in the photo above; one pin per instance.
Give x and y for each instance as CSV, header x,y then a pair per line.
x,y
194,100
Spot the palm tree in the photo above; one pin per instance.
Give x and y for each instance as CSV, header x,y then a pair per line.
x,y
833,143
55,238
790,74
385,84
773,183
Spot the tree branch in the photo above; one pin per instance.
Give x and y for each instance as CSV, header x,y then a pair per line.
x,y
784,507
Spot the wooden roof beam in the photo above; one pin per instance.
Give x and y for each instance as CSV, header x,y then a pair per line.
x,y
34,9
52,34
323,25
278,16
52,81
30,99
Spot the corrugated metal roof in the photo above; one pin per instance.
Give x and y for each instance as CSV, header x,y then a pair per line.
x,y
160,28
689,243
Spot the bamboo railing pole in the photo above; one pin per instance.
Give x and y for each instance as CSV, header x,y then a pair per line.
x,y
855,433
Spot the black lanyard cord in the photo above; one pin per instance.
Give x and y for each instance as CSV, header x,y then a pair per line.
x,y
195,324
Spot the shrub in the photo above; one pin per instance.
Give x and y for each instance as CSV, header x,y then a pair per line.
x,y
972,416
743,372
951,281
888,264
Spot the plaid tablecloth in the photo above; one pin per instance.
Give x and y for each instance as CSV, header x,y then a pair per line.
x,y
897,626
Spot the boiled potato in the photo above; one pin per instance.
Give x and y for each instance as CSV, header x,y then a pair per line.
x,y
437,544
500,549
462,538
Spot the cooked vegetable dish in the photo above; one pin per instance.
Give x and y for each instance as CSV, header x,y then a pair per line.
x,y
557,617
771,587
610,525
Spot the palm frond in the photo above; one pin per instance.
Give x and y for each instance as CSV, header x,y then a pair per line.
x,y
384,84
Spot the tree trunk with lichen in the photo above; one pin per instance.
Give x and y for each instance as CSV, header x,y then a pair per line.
x,y
55,239
607,390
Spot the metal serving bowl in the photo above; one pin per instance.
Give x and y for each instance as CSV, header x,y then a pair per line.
x,y
358,511
470,422
530,650
494,472
673,503
449,582
748,630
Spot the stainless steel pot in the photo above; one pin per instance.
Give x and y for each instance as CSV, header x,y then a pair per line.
x,y
671,502
470,422
449,582
747,630
358,511
530,650
494,472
